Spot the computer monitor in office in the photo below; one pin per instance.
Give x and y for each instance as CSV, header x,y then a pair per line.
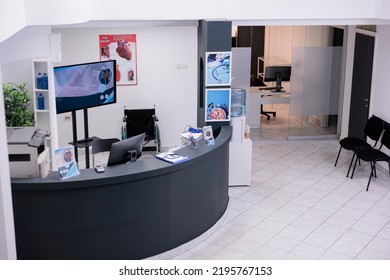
x,y
126,150
277,74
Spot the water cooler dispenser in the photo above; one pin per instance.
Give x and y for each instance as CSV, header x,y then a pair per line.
x,y
238,107
240,147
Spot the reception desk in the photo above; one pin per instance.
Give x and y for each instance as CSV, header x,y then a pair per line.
x,y
131,211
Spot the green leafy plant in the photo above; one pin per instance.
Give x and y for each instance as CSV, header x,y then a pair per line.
x,y
17,102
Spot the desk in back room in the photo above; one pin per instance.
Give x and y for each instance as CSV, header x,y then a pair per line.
x,y
257,97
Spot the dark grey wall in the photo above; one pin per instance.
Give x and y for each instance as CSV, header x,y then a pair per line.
x,y
212,36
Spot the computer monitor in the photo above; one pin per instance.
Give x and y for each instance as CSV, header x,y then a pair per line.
x,y
126,150
277,74
86,85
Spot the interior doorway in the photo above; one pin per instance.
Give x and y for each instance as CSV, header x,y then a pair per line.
x,y
361,84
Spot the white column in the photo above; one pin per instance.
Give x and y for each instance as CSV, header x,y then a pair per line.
x,y
7,232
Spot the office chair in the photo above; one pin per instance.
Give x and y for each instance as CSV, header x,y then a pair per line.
x,y
373,155
373,130
143,121
256,82
101,145
266,113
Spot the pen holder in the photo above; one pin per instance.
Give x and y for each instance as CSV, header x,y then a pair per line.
x,y
194,144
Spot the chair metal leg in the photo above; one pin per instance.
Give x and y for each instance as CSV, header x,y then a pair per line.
x,y
372,171
350,165
354,167
374,166
389,167
337,159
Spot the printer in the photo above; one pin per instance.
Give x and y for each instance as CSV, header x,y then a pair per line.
x,y
26,161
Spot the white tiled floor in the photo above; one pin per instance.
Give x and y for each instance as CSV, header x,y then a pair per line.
x,y
299,206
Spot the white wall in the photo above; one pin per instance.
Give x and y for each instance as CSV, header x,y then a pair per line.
x,y
380,95
172,90
16,53
15,14
12,18
278,42
15,65
7,232
41,12
124,9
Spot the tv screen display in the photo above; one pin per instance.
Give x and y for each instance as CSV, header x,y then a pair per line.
x,y
86,85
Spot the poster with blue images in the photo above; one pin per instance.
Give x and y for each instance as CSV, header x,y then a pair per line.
x,y
218,69
67,166
218,104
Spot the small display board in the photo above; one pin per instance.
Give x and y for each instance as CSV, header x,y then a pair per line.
x,y
67,166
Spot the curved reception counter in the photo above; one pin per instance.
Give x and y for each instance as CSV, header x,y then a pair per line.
x,y
131,211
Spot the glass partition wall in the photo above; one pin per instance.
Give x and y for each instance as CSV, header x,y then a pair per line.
x,y
315,91
316,55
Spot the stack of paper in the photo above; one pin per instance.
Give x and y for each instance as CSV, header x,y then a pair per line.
x,y
171,157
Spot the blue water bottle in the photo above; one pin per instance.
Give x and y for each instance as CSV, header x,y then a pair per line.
x,y
45,82
39,81
41,102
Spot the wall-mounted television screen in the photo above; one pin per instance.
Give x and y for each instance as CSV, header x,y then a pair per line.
x,y
86,85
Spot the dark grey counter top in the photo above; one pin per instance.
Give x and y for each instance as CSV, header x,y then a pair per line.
x,y
131,211
143,168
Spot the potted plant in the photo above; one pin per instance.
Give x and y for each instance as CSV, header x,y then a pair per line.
x,y
17,102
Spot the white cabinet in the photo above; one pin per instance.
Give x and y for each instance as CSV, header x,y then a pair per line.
x,y
240,154
46,115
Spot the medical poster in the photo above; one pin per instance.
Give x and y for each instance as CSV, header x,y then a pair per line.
x,y
218,69
67,166
122,48
218,105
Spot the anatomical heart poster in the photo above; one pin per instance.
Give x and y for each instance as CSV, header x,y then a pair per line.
x,y
122,48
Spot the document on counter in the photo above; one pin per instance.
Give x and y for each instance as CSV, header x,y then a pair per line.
x,y
172,157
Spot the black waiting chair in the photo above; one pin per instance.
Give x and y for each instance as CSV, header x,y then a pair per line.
x,y
101,145
143,121
373,155
373,129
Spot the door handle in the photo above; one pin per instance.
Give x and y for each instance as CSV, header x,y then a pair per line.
x,y
365,99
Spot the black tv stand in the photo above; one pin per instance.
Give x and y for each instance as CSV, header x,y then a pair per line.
x,y
82,143
85,140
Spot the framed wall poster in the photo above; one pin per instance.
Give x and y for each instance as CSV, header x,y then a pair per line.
x,y
218,104
218,69
122,48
